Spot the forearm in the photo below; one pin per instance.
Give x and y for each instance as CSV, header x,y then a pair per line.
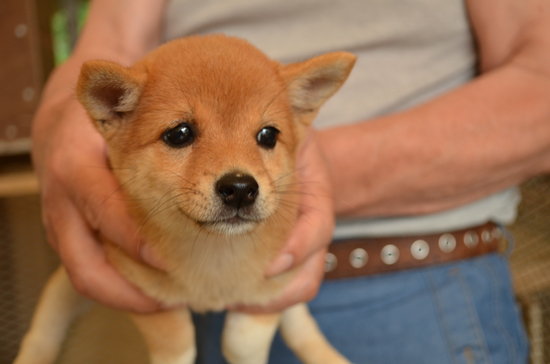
x,y
490,134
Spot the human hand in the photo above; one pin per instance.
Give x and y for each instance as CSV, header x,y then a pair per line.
x,y
309,240
81,199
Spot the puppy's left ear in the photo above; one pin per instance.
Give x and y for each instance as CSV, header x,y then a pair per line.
x,y
108,91
312,82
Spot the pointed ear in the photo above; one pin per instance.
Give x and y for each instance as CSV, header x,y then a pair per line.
x,y
108,91
312,82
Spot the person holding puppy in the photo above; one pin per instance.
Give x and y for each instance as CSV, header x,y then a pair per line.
x,y
445,112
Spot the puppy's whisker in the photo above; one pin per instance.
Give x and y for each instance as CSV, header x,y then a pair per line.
x,y
115,191
195,241
290,174
186,217
101,210
166,206
314,195
109,168
165,232
302,205
142,226
283,217
155,209
183,179
302,215
289,205
253,242
160,203
287,210
133,199
255,233
303,182
207,251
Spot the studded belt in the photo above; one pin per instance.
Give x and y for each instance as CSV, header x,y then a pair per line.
x,y
366,256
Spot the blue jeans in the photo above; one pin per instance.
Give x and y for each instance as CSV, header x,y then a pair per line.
x,y
458,313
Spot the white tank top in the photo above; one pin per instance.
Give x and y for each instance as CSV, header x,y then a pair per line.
x,y
408,51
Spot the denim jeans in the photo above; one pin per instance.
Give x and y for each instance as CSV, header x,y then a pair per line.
x,y
458,313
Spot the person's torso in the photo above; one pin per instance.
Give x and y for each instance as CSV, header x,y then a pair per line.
x,y
408,52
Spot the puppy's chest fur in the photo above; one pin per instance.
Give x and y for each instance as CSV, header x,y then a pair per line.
x,y
209,273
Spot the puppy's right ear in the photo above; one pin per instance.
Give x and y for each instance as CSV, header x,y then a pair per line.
x,y
108,91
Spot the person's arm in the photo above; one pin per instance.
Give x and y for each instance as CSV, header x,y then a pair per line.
x,y
80,196
485,136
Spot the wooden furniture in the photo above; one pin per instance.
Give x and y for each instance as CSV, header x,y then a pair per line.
x,y
26,58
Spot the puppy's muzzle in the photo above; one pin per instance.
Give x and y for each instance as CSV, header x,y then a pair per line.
x,y
237,190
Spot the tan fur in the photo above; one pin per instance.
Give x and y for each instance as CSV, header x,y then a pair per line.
x,y
301,333
228,91
247,338
58,306
176,325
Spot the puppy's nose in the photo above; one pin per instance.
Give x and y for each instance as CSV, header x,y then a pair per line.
x,y
237,190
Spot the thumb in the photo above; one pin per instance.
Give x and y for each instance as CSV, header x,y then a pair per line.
x,y
315,224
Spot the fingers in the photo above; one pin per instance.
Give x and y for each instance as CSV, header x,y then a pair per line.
x,y
302,288
89,270
97,194
90,185
315,224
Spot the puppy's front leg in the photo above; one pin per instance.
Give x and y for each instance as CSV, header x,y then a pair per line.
x,y
303,336
247,338
170,336
59,305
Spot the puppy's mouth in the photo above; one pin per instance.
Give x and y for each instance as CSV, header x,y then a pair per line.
x,y
235,220
237,224
232,226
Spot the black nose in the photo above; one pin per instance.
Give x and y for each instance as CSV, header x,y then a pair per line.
x,y
237,190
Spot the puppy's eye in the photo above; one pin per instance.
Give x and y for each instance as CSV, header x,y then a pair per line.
x,y
180,136
267,137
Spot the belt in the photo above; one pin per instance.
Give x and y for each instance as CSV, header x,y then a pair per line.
x,y
366,256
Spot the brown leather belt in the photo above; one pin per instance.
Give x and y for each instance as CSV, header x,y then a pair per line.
x,y
366,256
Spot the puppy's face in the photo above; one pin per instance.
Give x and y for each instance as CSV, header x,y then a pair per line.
x,y
206,129
218,140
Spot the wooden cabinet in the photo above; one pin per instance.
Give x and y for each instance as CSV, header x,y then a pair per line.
x,y
25,61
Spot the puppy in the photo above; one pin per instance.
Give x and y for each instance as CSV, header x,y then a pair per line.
x,y
203,134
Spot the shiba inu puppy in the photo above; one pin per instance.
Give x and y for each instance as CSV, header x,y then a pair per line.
x,y
203,134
